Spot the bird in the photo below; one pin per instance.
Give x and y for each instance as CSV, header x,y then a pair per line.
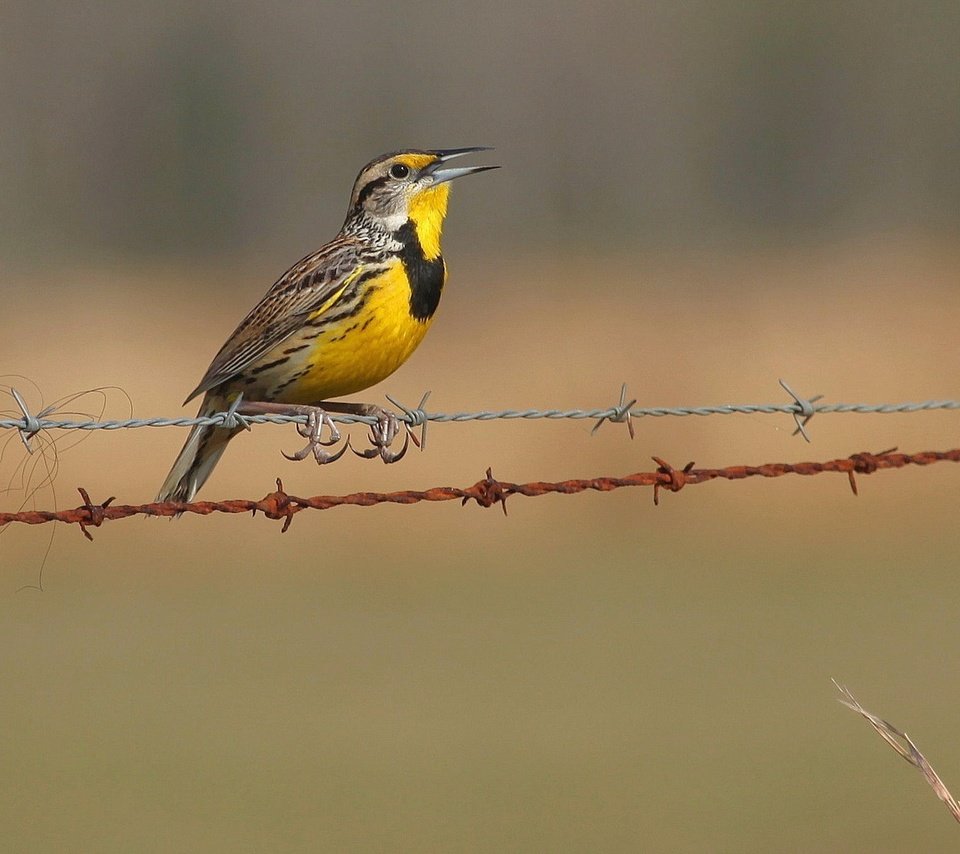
x,y
338,321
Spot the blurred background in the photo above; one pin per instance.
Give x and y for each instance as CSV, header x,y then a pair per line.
x,y
697,198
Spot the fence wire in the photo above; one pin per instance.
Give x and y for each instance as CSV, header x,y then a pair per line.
x,y
487,492
800,408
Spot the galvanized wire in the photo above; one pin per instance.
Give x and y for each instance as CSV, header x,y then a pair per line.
x,y
801,409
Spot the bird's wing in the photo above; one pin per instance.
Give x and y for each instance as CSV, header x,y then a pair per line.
x,y
312,286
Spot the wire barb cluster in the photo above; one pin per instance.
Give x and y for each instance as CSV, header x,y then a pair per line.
x,y
486,492
801,409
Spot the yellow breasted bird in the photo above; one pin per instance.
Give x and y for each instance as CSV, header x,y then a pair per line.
x,y
339,321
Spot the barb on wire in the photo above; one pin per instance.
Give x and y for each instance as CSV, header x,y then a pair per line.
x,y
233,419
904,746
801,409
487,492
805,409
621,412
415,417
32,424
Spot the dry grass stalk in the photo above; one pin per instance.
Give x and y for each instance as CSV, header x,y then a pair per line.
x,y
902,743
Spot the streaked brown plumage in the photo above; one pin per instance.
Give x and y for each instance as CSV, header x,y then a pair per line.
x,y
342,318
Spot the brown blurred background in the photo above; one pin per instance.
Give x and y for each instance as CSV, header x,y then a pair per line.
x,y
697,198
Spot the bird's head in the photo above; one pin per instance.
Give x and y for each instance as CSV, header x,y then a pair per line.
x,y
409,185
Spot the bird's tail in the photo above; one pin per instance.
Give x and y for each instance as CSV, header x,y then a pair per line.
x,y
200,453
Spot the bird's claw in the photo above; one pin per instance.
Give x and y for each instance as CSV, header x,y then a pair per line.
x,y
312,431
382,434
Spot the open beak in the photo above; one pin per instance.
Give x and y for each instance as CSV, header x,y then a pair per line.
x,y
439,175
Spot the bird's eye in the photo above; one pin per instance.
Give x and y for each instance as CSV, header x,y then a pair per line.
x,y
398,170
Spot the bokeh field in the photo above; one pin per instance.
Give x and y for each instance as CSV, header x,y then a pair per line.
x,y
590,673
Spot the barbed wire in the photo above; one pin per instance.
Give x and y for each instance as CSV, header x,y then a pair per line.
x,y
487,492
801,409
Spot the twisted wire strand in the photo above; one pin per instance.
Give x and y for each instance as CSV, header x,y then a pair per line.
x,y
490,491
32,424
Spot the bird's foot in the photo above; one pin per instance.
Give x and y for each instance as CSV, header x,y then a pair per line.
x,y
312,431
382,434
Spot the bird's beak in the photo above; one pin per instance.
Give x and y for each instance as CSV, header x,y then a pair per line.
x,y
438,175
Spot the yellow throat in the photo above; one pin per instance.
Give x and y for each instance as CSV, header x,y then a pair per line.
x,y
428,208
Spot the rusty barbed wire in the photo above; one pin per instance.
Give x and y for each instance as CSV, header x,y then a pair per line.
x,y
486,493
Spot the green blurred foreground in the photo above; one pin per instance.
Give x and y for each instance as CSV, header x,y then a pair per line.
x,y
595,676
